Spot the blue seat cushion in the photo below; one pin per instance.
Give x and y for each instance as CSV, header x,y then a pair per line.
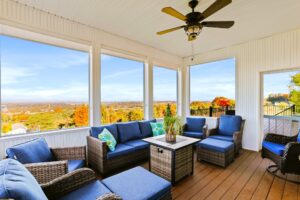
x,y
95,131
92,190
216,145
193,134
75,164
222,137
145,128
33,151
138,183
138,144
273,147
195,124
229,124
121,149
16,182
129,131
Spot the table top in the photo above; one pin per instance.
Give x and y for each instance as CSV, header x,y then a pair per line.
x,y
181,141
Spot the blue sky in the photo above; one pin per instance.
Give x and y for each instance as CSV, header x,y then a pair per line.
x,y
278,82
35,72
213,79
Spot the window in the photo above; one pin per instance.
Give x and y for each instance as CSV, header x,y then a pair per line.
x,y
212,88
43,87
164,91
122,89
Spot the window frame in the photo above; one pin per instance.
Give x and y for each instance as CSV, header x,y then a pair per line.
x,y
45,39
177,87
128,56
188,110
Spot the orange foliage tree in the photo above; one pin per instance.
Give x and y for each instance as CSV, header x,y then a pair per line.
x,y
81,115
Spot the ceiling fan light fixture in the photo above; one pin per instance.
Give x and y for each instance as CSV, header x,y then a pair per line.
x,y
193,31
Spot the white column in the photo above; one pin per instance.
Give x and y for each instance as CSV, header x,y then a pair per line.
x,y
148,89
95,88
185,91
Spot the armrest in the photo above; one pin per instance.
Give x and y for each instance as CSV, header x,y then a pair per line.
x,y
68,183
184,127
291,155
109,196
212,131
204,130
70,153
237,136
280,139
96,146
47,171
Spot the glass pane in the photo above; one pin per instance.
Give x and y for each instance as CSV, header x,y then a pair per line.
x,y
164,91
212,88
43,87
122,86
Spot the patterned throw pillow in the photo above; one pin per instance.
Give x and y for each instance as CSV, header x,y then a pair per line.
x,y
107,137
157,128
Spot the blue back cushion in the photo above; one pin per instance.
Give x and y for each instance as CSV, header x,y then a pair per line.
x,y
229,124
16,182
145,128
129,131
33,151
195,124
95,131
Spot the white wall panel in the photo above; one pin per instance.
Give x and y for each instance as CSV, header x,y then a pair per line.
x,y
278,52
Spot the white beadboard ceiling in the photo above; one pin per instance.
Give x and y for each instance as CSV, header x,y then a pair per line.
x,y
139,20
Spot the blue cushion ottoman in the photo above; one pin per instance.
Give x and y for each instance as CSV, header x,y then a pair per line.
x,y
215,151
137,184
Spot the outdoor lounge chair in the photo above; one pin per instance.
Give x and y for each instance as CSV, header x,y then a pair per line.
x,y
47,163
195,127
17,183
284,151
230,128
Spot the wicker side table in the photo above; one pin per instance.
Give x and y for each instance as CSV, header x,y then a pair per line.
x,y
171,161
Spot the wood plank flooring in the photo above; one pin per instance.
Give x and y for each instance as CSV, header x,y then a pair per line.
x,y
246,178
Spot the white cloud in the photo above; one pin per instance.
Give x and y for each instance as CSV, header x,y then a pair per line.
x,y
11,74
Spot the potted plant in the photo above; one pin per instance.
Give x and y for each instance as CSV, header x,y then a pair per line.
x,y
172,125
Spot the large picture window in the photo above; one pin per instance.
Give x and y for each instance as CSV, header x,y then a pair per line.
x,y
122,89
43,87
212,88
164,91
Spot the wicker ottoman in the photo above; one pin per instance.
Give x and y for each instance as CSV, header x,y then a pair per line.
x,y
215,151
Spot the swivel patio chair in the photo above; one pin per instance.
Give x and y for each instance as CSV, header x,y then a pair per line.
x,y
195,127
284,151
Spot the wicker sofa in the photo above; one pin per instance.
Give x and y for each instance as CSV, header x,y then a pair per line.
x,y
130,149
47,163
82,184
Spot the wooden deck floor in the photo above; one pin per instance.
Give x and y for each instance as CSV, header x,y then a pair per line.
x,y
246,178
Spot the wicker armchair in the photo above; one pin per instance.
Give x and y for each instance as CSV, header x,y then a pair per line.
x,y
284,151
46,163
47,171
97,157
236,136
195,127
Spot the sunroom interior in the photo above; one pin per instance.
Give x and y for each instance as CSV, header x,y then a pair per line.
x,y
70,68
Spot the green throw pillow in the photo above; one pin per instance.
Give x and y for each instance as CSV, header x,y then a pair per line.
x,y
157,128
107,137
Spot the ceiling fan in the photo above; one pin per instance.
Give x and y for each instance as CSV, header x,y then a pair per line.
x,y
194,20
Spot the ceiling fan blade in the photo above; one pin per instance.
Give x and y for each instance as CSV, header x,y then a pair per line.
x,y
218,24
174,13
218,5
169,30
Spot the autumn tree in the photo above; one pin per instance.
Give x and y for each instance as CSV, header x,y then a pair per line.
x,y
81,115
295,89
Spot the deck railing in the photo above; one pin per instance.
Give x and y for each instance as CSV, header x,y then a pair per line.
x,y
212,112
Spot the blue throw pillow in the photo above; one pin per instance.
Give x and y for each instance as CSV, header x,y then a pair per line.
x,y
33,151
129,131
107,137
229,124
145,127
112,128
195,124
16,182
